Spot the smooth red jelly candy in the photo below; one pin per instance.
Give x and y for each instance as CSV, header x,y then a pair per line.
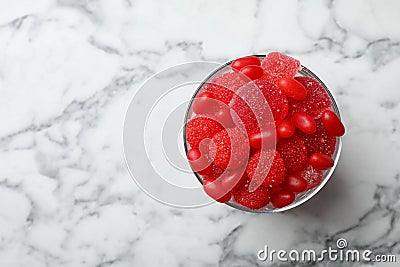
x,y
265,139
231,180
332,123
293,152
253,72
319,142
304,122
214,189
282,198
285,129
292,88
253,200
204,103
239,63
312,176
295,183
224,117
199,162
316,101
321,161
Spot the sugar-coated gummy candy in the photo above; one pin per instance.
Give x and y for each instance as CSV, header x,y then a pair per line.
x,y
255,109
316,101
319,142
253,200
277,66
293,152
200,128
224,86
266,167
229,148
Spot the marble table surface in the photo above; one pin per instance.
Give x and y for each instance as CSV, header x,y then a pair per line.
x,y
68,70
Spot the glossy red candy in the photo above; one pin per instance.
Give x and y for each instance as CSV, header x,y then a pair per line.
x,y
295,183
239,63
223,116
292,88
282,198
231,180
332,123
285,129
265,139
304,122
253,72
321,161
199,162
214,189
204,103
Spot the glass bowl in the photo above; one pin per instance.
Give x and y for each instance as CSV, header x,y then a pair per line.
x,y
300,197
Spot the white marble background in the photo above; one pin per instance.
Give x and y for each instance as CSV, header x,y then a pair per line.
x,y
68,69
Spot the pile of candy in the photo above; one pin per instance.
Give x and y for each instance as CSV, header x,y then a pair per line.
x,y
255,149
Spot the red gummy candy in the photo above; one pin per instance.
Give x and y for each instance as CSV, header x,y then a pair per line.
x,y
229,145
215,173
277,101
319,142
293,152
282,198
316,101
278,66
312,176
200,128
253,200
266,166
224,87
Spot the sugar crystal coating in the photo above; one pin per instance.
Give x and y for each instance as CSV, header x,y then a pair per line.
x,y
259,109
229,148
252,200
200,128
319,142
293,152
224,86
316,101
278,65
267,167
